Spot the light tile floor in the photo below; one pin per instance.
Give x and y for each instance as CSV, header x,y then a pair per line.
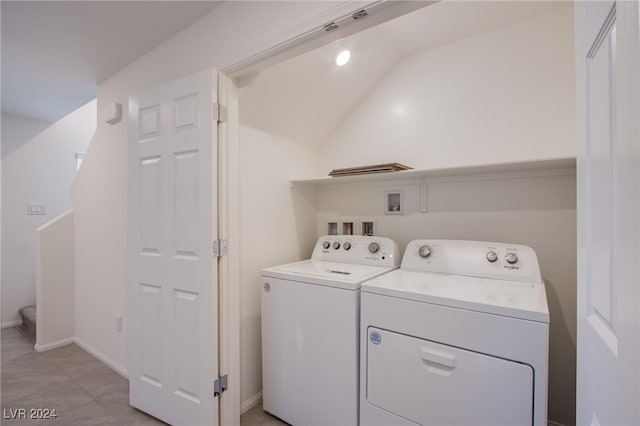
x,y
81,389
257,417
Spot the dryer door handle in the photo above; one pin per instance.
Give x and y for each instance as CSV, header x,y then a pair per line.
x,y
438,358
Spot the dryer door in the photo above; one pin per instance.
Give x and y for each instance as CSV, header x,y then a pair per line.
x,y
435,384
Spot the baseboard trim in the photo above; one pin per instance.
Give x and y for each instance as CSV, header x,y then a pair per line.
x,y
10,324
53,345
251,402
102,357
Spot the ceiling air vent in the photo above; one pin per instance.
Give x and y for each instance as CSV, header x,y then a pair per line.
x,y
330,27
359,15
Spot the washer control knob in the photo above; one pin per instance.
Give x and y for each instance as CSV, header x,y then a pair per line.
x,y
336,245
346,246
326,245
374,247
424,251
492,256
511,258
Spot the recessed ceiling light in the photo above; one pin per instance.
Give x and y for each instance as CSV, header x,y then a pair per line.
x,y
343,57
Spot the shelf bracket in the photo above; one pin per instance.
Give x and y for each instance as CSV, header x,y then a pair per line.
x,y
423,196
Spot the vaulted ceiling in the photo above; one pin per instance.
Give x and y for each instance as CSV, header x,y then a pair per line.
x,y
55,53
305,98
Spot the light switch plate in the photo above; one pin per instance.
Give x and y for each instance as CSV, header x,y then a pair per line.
x,y
36,209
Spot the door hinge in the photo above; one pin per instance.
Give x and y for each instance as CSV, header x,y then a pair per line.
x,y
220,385
220,248
219,113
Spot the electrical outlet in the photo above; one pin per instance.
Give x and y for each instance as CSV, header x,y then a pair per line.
x,y
368,227
36,209
348,227
332,227
119,323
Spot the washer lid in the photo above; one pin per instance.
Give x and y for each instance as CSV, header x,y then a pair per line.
x,y
499,297
334,274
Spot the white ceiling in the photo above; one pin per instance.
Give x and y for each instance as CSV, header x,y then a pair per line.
x,y
54,53
305,98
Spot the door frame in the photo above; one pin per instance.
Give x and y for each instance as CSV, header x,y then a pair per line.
x,y
229,266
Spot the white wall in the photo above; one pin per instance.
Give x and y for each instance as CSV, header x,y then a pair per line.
x,y
38,166
277,226
233,31
504,95
16,291
55,278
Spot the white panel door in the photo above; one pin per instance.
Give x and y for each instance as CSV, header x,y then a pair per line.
x,y
607,51
173,354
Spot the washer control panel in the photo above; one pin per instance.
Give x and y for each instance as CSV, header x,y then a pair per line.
x,y
501,261
359,249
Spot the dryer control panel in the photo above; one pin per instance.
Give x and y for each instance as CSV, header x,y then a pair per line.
x,y
500,261
357,249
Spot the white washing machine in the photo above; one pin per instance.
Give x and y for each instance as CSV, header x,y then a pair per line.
x,y
310,329
457,336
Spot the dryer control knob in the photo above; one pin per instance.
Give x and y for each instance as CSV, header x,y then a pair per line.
x,y
326,245
511,258
492,256
374,247
424,251
336,245
346,246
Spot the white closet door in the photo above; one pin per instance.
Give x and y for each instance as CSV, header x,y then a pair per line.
x,y
173,311
608,356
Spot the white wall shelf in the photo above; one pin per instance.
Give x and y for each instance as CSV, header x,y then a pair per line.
x,y
553,166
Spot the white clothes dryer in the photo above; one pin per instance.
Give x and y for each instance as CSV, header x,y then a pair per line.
x,y
310,329
457,336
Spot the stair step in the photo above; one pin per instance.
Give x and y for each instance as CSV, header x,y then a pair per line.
x,y
28,327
